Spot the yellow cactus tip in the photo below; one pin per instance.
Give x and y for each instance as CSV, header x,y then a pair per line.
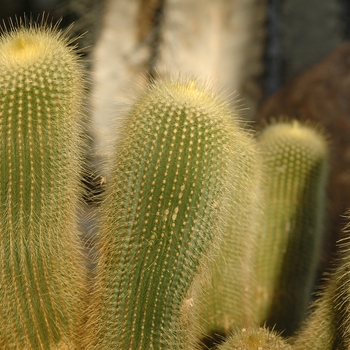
x,y
19,44
27,41
22,46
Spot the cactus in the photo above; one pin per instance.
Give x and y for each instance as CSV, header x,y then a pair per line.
x,y
42,274
295,157
183,192
341,283
327,328
173,178
321,329
255,339
227,297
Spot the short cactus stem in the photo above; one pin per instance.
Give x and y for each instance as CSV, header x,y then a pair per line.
x,y
255,339
175,169
41,274
295,157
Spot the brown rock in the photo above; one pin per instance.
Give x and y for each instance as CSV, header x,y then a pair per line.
x,y
322,94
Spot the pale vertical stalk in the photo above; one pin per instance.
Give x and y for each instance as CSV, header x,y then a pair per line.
x,y
119,59
220,40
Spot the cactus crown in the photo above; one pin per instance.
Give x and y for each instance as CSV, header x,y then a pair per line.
x,y
255,339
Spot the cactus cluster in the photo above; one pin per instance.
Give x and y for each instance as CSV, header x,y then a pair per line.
x,y
205,230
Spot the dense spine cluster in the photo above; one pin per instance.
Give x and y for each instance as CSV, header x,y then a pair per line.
x,y
295,160
255,339
338,292
175,170
41,277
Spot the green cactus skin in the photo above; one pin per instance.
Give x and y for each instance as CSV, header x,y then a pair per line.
x,y
327,328
295,158
41,278
341,297
227,297
321,331
174,173
255,339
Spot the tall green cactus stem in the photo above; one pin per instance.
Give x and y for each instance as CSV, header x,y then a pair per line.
x,y
255,339
41,276
175,168
227,297
321,330
295,158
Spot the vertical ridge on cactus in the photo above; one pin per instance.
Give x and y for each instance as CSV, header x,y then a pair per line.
x,y
174,171
295,157
41,87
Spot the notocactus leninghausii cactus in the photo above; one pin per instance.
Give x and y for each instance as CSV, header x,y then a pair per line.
x,y
295,160
227,297
320,331
337,294
176,168
255,339
42,275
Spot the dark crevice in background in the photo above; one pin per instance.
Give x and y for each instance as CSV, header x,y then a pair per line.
x,y
282,48
273,49
157,37
87,17
33,8
346,18
212,341
150,20
27,7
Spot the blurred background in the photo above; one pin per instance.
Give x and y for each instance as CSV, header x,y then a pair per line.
x,y
299,32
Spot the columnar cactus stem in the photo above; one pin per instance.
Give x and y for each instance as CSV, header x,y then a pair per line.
x,y
41,277
295,157
175,171
227,298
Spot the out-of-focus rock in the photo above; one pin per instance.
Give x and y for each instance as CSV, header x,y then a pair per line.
x,y
322,94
